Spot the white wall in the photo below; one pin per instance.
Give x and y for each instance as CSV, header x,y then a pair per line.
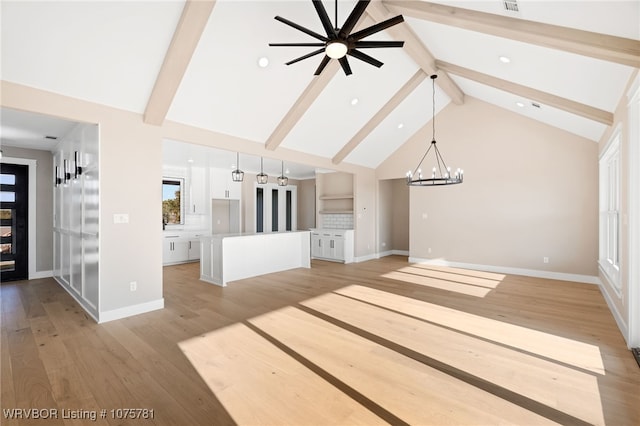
x,y
530,192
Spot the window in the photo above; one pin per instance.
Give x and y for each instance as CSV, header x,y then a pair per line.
x,y
172,201
260,210
274,210
609,256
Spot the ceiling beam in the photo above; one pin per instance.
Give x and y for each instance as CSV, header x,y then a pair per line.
x,y
301,105
304,101
396,100
601,46
414,47
564,104
193,21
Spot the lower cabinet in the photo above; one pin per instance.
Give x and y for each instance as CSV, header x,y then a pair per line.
x,y
194,250
335,245
179,249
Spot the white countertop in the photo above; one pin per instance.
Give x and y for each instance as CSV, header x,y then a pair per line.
x,y
245,234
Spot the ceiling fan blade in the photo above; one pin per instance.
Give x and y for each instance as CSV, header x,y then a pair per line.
x,y
377,44
364,57
353,18
301,28
345,65
377,28
322,65
296,44
308,55
324,18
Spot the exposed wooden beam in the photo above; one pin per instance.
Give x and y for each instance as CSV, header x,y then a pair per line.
x,y
302,104
601,46
396,100
564,104
193,21
416,50
308,96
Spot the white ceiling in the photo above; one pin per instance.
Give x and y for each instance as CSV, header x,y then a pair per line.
x,y
111,53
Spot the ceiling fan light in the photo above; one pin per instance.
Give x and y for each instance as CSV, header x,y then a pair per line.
x,y
336,49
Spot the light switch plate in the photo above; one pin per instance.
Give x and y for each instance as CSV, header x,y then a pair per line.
x,y
121,218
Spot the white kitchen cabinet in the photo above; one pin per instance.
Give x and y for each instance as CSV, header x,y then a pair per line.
x,y
332,244
198,190
180,247
175,250
194,249
316,245
223,187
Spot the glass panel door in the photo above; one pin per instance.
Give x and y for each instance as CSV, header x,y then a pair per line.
x,y
14,192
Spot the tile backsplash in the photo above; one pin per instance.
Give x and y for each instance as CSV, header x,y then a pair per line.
x,y
337,221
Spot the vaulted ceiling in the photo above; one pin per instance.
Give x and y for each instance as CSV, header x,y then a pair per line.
x,y
197,63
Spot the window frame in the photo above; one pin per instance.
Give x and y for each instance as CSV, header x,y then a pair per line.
x,y
609,220
166,180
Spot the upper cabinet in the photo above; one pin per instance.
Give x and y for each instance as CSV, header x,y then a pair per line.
x,y
222,186
198,190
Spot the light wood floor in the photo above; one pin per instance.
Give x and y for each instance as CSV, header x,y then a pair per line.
x,y
371,343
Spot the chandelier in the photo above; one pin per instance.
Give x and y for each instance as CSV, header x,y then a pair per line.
x,y
440,174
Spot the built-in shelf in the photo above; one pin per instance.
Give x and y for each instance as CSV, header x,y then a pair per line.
x,y
335,212
336,197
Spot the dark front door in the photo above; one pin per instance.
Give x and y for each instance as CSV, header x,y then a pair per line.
x,y
14,231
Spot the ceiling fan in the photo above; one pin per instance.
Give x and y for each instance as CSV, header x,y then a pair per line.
x,y
339,42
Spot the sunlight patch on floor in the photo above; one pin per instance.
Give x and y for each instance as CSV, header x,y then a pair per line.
x,y
453,276
561,349
259,384
469,290
411,390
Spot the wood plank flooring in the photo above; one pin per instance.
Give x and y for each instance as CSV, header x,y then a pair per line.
x,y
362,344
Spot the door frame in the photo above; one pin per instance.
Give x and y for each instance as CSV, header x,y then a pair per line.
x,y
31,215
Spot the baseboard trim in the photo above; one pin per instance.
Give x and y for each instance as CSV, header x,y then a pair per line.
x,y
365,258
586,279
128,311
400,252
41,274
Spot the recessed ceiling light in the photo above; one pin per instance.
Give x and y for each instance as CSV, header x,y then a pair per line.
x,y
400,125
504,59
520,104
354,101
263,62
190,160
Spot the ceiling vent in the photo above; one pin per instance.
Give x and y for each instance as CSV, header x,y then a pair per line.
x,y
535,105
511,5
51,137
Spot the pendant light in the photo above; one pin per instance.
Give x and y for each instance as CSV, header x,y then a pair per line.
x,y
237,175
262,177
440,174
282,179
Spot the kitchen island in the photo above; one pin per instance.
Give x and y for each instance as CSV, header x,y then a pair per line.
x,y
231,257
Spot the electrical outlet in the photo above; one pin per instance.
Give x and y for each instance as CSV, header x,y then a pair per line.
x,y
133,286
425,216
384,244
429,250
545,259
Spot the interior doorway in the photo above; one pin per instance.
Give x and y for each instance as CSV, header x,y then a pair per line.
x,y
14,223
